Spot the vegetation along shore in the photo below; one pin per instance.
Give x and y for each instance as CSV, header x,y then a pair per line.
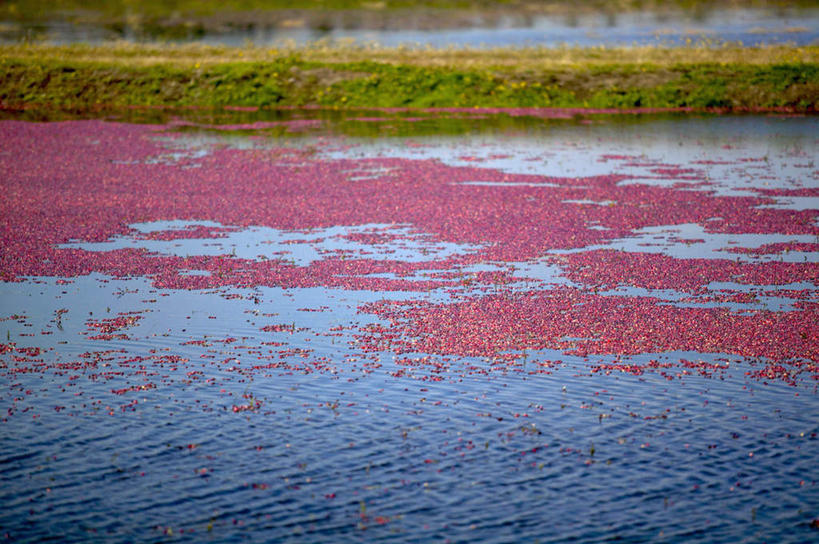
x,y
701,76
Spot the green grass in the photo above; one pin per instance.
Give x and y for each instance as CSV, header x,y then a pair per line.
x,y
85,77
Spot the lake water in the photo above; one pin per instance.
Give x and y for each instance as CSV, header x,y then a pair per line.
x,y
668,27
311,326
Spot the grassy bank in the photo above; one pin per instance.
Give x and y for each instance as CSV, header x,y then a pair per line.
x,y
79,77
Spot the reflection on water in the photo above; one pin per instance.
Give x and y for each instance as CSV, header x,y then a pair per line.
x,y
443,29
735,155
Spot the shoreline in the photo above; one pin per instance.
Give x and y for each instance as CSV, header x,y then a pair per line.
x,y
534,112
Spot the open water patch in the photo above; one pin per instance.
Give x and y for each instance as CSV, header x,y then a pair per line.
x,y
301,248
731,155
693,241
